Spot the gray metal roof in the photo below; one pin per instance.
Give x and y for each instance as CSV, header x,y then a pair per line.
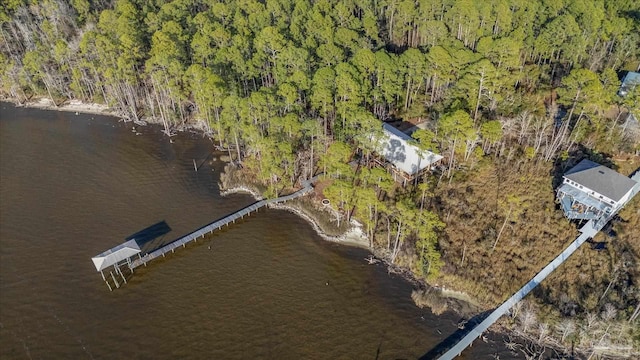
x,y
115,255
601,179
631,80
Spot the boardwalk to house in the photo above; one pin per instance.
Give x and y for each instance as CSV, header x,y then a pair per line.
x,y
588,231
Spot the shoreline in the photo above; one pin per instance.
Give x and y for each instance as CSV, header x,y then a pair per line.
x,y
79,107
458,302
353,236
76,106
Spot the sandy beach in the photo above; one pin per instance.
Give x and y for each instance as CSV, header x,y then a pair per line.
x,y
76,106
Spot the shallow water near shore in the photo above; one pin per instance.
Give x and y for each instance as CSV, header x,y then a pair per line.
x,y
72,186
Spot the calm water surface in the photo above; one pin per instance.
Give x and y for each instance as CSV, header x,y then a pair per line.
x,y
73,186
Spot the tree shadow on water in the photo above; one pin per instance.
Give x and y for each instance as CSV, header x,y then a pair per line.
x,y
454,338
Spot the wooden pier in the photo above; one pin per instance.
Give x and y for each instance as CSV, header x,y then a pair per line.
x,y
129,261
208,229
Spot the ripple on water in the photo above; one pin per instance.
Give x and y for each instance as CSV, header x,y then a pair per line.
x,y
268,288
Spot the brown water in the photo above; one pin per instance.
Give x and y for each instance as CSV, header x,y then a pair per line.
x,y
73,186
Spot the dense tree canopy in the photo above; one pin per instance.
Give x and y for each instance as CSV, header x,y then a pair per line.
x,y
295,87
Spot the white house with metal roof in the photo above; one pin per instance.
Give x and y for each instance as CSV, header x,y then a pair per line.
x,y
630,81
407,159
591,191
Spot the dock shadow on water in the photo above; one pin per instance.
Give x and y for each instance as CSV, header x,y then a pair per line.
x,y
145,237
454,338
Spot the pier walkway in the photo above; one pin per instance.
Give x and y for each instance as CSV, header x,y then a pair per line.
x,y
125,254
588,231
216,225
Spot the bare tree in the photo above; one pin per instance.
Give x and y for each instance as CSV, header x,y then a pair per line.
x,y
543,332
609,312
592,320
533,351
527,318
511,344
515,309
566,328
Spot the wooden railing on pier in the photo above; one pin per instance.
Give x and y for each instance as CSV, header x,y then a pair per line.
x,y
216,225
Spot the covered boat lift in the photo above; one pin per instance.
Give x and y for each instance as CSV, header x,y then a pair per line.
x,y
114,257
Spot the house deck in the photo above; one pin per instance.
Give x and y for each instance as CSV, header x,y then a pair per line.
x,y
579,205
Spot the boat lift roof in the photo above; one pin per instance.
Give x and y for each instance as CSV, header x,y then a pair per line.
x,y
116,254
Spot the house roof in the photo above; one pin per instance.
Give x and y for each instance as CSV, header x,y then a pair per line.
x,y
397,149
600,179
630,80
115,255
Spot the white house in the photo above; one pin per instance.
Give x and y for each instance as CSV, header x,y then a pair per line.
x,y
630,81
408,160
592,191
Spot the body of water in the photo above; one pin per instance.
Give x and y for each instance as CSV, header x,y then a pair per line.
x,y
72,186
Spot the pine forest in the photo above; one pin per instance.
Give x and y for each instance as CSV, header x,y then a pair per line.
x,y
511,93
